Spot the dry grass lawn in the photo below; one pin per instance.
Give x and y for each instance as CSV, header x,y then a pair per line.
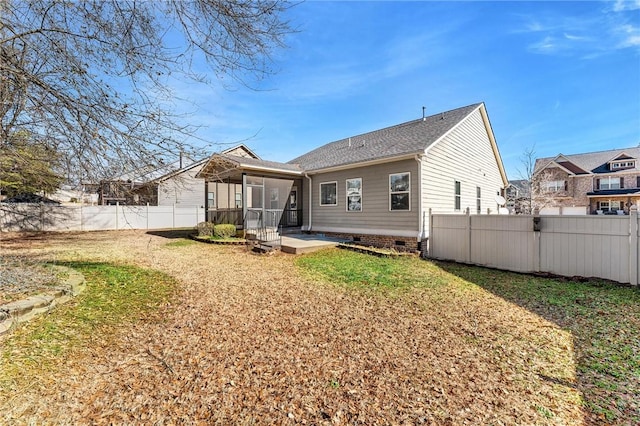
x,y
252,339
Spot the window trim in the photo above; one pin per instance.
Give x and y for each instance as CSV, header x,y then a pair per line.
x,y
609,179
478,200
408,192
610,205
625,164
354,194
457,195
555,185
333,182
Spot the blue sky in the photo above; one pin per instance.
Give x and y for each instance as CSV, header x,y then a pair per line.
x,y
563,76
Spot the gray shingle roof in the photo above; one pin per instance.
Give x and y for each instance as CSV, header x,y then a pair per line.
x,y
258,163
412,137
595,162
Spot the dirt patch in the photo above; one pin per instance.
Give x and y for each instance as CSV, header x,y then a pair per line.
x,y
253,341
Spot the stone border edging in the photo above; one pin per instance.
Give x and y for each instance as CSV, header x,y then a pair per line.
x,y
222,243
374,251
13,313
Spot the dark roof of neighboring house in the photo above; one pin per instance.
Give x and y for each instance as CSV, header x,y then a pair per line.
x,y
520,184
592,162
30,198
412,137
573,168
605,192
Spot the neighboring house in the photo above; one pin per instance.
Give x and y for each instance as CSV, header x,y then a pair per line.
x,y
604,182
137,187
172,184
377,187
518,196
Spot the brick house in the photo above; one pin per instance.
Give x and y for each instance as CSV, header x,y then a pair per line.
x,y
604,182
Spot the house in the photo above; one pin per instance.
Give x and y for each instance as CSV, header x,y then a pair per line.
x,y
168,184
172,184
518,196
377,187
604,182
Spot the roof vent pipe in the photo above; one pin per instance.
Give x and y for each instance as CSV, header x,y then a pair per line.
x,y
349,142
423,110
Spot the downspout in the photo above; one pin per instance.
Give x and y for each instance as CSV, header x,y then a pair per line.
x,y
310,201
421,219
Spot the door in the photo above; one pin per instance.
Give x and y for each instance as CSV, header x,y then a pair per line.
x,y
292,208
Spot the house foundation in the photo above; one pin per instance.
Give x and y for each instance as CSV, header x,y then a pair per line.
x,y
404,244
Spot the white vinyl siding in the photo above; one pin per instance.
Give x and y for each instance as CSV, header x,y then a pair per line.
x,y
183,189
465,155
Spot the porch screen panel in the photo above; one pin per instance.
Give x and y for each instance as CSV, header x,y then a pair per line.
x,y
276,197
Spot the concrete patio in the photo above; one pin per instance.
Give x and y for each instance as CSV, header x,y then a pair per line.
x,y
307,243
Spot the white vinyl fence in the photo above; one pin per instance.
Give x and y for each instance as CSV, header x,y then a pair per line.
x,y
48,217
586,246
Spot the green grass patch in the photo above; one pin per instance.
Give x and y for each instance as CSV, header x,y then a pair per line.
x,y
357,270
603,319
180,243
114,296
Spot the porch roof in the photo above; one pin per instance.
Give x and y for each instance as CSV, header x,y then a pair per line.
x,y
614,192
222,166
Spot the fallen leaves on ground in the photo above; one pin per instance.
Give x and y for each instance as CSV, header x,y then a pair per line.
x,y
252,340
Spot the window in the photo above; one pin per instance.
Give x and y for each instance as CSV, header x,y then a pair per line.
x,y
238,200
609,206
457,202
354,195
478,200
399,191
609,183
329,194
211,200
623,165
554,186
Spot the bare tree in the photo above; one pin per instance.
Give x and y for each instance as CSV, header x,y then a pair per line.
x,y
521,196
91,79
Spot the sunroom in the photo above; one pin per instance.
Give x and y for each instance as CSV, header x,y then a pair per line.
x,y
255,195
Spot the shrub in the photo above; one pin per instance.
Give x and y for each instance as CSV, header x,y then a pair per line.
x,y
205,229
224,231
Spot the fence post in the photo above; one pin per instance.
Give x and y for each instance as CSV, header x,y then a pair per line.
x,y
468,213
536,241
147,215
633,245
173,216
427,243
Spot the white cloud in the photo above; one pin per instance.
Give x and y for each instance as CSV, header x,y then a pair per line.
x,y
546,45
630,36
575,37
622,5
588,35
